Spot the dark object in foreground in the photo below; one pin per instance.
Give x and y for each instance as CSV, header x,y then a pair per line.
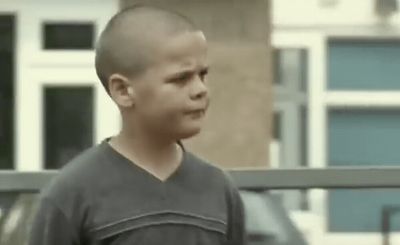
x,y
267,221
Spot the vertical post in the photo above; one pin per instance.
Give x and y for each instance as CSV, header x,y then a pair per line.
x,y
385,225
386,213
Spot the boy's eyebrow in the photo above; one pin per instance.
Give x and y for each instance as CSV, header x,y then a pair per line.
x,y
204,69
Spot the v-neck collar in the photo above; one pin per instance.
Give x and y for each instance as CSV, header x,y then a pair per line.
x,y
118,156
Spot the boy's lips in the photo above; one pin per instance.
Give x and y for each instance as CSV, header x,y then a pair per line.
x,y
196,112
200,109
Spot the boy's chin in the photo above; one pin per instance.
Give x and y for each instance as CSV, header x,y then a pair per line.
x,y
188,133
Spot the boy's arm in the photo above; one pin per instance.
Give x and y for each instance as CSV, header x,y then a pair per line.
x,y
236,219
50,227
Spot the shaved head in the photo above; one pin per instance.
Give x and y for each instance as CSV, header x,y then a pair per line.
x,y
127,42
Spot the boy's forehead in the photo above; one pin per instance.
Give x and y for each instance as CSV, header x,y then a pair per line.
x,y
183,45
161,41
158,36
185,51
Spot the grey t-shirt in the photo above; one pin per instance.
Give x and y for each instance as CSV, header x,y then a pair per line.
x,y
101,197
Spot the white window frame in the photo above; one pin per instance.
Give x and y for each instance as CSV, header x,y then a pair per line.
x,y
374,100
106,120
321,100
36,68
314,43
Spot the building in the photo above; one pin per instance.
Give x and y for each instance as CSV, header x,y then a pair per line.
x,y
337,104
50,82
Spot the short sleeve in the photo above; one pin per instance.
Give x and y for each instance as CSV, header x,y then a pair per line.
x,y
50,226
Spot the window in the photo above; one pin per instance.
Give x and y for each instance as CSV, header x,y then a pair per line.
x,y
362,137
290,68
68,123
68,36
289,146
276,122
7,92
364,65
290,102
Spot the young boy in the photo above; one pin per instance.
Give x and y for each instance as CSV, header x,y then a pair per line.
x,y
142,186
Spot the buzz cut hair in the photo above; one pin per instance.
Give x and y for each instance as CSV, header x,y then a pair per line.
x,y
123,46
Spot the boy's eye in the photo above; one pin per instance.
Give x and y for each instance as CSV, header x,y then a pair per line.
x,y
181,78
203,74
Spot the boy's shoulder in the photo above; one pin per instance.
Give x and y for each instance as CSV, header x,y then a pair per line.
x,y
201,163
202,168
83,170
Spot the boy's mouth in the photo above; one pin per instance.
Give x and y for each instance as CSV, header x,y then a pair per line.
x,y
197,113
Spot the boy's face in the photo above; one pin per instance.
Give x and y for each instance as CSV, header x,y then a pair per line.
x,y
171,97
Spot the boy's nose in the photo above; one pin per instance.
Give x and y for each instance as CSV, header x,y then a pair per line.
x,y
199,89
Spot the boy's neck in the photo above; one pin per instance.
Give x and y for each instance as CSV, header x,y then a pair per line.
x,y
156,155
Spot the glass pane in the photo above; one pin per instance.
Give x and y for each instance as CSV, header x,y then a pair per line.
x,y
304,135
292,142
361,210
290,68
276,125
68,35
68,123
6,92
362,138
277,64
364,65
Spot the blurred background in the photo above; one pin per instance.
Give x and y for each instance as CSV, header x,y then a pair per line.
x,y
294,84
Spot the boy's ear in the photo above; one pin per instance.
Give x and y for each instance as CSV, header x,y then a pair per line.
x,y
121,90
